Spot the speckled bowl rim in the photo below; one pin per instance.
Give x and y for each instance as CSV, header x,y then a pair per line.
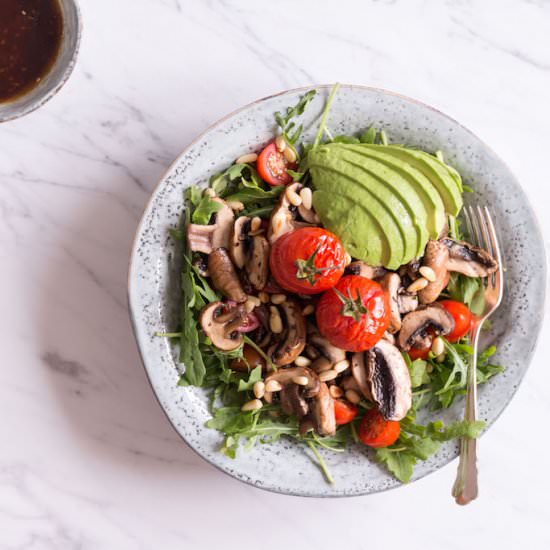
x,y
148,208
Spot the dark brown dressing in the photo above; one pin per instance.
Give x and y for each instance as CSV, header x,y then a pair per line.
x,y
30,39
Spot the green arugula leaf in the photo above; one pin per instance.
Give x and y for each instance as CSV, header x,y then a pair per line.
x,y
204,210
369,136
399,463
255,376
285,123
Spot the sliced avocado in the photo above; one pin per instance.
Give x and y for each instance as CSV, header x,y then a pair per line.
x,y
343,172
438,173
402,187
373,246
427,193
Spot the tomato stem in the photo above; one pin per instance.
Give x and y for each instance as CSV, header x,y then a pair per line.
x,y
352,307
307,269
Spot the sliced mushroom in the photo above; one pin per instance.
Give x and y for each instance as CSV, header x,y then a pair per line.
x,y
349,383
285,377
321,351
364,270
308,215
293,338
407,302
410,270
293,401
322,412
436,257
257,263
206,238
415,325
390,283
359,373
389,380
468,259
239,241
389,337
283,216
224,277
220,325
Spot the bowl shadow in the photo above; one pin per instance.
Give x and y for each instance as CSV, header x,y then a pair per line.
x,y
87,346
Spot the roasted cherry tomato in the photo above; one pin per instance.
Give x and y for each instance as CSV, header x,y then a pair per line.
x,y
376,431
354,314
308,260
272,166
420,353
463,319
344,411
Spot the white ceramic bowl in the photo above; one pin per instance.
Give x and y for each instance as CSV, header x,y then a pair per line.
x,y
154,294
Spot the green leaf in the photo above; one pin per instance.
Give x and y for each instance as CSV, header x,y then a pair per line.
x,y
193,195
284,121
248,194
346,139
205,208
255,376
417,369
400,464
369,136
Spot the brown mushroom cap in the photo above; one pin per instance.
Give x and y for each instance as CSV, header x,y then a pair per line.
x,y
238,245
407,302
415,325
390,283
322,412
359,373
293,339
293,402
221,325
468,259
224,277
257,263
285,377
319,347
389,380
436,257
206,238
364,270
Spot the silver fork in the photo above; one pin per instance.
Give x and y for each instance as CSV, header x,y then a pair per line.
x,y
482,231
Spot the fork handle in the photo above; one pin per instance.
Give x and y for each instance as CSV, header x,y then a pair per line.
x,y
465,487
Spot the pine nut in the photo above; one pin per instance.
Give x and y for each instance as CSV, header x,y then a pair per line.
x,y
308,310
264,297
307,198
438,346
321,365
353,397
249,305
254,299
278,298
275,321
302,361
336,392
348,259
252,405
259,389
209,192
293,197
245,159
341,366
272,386
428,273
301,380
419,284
440,358
289,154
256,223
280,143
237,206
328,375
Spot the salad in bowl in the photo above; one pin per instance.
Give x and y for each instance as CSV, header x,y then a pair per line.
x,y
328,290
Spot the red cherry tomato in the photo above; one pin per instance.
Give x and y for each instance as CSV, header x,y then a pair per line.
x,y
344,411
272,166
463,319
420,353
376,431
308,260
354,314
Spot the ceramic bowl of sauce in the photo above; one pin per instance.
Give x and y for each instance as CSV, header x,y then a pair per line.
x,y
39,42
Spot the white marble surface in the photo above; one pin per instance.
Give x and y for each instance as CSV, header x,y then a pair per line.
x,y
87,459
